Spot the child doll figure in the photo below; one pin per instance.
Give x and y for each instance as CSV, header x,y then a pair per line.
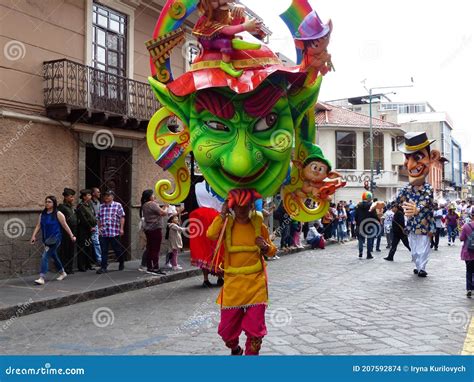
x,y
244,295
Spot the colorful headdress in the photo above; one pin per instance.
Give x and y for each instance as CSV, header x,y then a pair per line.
x,y
367,196
242,197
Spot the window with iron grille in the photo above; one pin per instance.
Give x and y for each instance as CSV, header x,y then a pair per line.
x,y
109,55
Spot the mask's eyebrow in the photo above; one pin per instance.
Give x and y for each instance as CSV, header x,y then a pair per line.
x,y
215,103
260,103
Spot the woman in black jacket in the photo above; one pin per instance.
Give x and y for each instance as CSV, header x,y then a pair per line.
x,y
398,230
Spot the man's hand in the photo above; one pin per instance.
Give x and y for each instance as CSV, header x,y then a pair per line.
x,y
261,243
410,209
33,240
121,231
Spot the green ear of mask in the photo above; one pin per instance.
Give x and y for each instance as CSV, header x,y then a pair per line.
x,y
304,99
179,106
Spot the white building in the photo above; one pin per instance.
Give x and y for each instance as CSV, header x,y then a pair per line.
x,y
344,136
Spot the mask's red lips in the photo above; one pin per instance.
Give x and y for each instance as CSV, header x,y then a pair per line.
x,y
246,179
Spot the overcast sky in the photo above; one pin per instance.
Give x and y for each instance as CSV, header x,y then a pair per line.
x,y
387,43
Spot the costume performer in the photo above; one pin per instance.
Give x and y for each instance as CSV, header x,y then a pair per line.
x,y
416,198
244,296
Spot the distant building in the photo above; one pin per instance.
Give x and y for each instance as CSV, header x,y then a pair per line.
x,y
419,116
344,136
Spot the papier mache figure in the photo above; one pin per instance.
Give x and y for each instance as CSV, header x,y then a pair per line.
x,y
319,181
217,27
416,198
313,39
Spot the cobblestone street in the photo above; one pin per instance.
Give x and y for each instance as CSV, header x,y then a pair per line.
x,y
321,302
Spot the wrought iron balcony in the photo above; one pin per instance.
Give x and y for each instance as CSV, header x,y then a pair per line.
x,y
77,92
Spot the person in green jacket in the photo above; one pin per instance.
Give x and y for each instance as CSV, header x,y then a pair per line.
x,y
86,224
67,249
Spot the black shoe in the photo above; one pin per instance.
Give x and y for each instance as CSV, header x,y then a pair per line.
x,y
121,266
101,270
415,271
378,250
370,257
237,351
436,248
220,282
81,270
388,258
159,271
469,294
207,283
387,247
422,273
360,254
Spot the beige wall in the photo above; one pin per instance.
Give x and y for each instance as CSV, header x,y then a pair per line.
x,y
36,159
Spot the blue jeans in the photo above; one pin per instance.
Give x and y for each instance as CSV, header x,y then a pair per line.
x,y
52,251
116,246
452,233
370,244
340,230
96,244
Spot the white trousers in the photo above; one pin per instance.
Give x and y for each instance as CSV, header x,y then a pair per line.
x,y
420,250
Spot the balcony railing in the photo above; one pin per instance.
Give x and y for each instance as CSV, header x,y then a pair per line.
x,y
74,91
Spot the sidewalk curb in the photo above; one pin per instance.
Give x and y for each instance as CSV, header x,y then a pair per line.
x,y
15,311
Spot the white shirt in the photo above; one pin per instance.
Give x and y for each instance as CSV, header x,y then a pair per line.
x,y
312,234
205,198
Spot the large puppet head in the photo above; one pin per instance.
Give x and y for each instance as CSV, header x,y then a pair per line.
x,y
418,157
241,129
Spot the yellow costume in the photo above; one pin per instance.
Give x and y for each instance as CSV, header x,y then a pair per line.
x,y
245,282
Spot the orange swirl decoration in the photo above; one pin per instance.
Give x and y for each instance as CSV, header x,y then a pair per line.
x,y
177,10
159,138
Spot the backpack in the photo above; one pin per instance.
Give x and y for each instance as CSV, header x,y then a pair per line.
x,y
470,240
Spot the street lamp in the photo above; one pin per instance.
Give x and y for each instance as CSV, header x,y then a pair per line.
x,y
371,130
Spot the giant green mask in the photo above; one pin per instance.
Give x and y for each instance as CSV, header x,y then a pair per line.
x,y
238,140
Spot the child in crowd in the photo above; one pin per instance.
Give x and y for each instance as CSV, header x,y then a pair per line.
x,y
173,234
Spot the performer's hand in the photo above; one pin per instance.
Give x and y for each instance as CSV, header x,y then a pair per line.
x,y
225,208
261,243
410,209
238,11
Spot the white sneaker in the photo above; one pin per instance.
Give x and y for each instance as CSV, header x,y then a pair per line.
x,y
177,268
141,268
168,265
276,257
62,276
40,281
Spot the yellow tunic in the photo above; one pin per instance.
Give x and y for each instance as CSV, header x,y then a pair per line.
x,y
250,287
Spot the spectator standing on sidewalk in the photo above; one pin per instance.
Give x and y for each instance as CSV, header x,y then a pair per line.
x,y
50,222
467,253
86,224
67,249
398,231
111,223
366,219
341,218
173,234
152,214
95,233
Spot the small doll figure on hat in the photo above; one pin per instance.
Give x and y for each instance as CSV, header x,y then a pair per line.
x,y
313,39
315,172
216,30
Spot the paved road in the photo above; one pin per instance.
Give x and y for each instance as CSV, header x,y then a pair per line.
x,y
322,302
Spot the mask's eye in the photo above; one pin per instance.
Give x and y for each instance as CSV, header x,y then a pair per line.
x,y
314,167
418,156
215,125
266,123
322,169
